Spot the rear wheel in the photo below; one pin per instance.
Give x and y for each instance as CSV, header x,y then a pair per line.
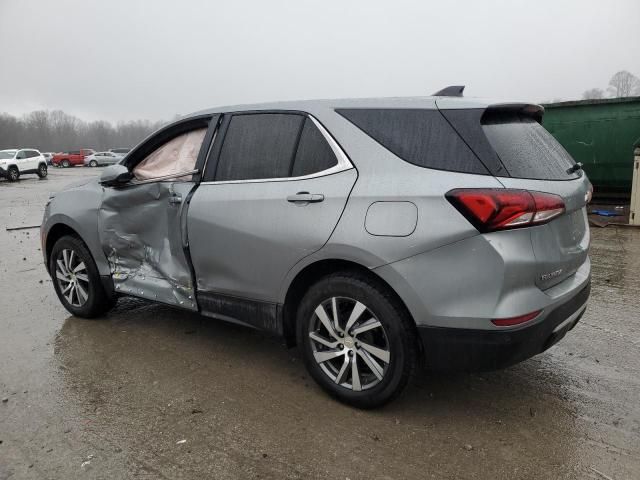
x,y
66,164
42,170
13,174
357,339
76,279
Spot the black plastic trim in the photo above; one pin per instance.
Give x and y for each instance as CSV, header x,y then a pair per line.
x,y
457,349
264,316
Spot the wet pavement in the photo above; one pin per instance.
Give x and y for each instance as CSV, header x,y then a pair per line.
x,y
153,392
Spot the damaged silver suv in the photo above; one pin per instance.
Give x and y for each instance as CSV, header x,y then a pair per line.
x,y
377,235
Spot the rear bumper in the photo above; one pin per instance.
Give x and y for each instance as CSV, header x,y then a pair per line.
x,y
476,350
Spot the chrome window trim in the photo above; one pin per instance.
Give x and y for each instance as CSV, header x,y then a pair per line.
x,y
343,161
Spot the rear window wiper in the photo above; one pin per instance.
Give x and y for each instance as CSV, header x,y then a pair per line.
x,y
574,168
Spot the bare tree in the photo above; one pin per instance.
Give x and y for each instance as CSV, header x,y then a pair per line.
x,y
58,131
624,84
593,94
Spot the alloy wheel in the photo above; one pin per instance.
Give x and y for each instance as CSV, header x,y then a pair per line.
x,y
72,277
349,343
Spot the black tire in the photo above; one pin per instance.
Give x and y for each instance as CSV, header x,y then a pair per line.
x,y
42,170
398,329
93,163
98,302
65,163
13,174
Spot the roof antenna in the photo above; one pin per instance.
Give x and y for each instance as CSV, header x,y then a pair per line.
x,y
451,91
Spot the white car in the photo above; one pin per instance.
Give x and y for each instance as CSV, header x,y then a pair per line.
x,y
16,162
102,158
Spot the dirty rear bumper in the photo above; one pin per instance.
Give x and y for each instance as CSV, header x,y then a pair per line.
x,y
476,350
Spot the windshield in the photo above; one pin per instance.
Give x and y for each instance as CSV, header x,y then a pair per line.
x,y
7,154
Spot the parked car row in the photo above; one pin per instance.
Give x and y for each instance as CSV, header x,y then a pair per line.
x,y
88,157
19,161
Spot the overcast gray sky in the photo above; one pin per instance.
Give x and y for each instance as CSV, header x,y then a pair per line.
x,y
129,59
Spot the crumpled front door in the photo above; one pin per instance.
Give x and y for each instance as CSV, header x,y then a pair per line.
x,y
141,232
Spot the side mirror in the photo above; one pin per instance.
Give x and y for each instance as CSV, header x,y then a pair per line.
x,y
115,175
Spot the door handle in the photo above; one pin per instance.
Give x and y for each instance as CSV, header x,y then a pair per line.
x,y
175,199
305,197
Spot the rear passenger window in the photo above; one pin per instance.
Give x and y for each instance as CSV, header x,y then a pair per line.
x,y
418,136
314,153
258,146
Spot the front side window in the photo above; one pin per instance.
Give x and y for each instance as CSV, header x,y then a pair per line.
x,y
177,156
21,155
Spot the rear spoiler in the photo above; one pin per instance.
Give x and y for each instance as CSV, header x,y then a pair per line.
x,y
525,109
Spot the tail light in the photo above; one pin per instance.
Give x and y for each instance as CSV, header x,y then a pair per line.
x,y
502,209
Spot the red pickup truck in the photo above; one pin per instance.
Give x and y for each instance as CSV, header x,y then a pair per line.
x,y
71,158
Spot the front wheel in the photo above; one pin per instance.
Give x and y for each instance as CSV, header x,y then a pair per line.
x,y
66,164
357,339
42,170
13,174
93,163
76,279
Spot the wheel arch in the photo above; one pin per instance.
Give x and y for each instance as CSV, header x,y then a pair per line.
x,y
312,273
55,233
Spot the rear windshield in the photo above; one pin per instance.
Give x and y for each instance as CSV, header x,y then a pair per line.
x,y
418,136
526,149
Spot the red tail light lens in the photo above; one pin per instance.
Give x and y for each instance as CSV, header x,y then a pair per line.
x,y
510,322
501,209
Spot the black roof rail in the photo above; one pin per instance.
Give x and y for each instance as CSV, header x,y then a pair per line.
x,y
451,91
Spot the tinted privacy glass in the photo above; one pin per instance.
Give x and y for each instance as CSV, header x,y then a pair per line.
x,y
420,137
314,153
526,149
259,146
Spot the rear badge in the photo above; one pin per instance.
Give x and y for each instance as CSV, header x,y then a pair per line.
x,y
550,275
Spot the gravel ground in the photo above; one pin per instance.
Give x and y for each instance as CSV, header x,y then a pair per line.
x,y
153,392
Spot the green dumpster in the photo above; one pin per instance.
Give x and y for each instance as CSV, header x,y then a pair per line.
x,y
601,134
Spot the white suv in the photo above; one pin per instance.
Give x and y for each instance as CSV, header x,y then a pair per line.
x,y
14,163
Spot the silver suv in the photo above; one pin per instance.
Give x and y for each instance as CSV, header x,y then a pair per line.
x,y
377,235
